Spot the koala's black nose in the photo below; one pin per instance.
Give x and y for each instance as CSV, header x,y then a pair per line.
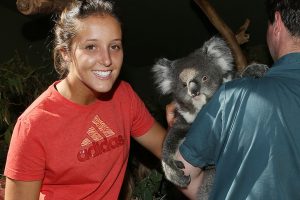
x,y
194,88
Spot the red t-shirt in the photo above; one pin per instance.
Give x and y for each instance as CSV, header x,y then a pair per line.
x,y
78,151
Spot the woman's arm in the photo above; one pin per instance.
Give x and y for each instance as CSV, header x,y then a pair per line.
x,y
25,190
153,139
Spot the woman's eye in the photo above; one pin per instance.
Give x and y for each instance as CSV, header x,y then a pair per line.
x,y
116,47
90,47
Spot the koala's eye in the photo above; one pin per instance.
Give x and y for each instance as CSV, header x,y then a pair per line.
x,y
184,84
204,78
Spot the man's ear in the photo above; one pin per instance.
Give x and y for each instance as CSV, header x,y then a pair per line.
x,y
277,23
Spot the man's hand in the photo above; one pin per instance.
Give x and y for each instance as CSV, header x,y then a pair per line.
x,y
196,175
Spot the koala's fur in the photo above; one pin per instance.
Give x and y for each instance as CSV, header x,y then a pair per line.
x,y
192,80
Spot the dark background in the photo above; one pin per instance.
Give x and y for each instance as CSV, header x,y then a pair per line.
x,y
152,29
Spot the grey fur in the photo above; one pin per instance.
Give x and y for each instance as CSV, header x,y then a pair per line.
x,y
192,80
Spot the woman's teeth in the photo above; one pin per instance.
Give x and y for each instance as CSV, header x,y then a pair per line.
x,y
102,74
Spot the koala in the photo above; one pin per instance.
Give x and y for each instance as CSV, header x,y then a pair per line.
x,y
192,80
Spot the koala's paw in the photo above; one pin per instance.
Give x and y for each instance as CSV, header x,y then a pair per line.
x,y
179,164
174,173
254,70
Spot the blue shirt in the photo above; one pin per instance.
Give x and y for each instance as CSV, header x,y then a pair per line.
x,y
250,130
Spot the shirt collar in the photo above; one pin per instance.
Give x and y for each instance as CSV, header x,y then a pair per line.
x,y
289,61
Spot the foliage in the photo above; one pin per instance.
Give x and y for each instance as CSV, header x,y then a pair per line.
x,y
20,84
148,187
154,186
145,179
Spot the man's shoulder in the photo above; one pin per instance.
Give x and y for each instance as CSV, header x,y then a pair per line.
x,y
247,84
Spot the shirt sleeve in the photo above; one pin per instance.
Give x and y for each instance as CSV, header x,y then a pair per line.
x,y
202,142
25,159
142,120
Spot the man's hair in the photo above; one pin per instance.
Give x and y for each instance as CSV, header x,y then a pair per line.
x,y
289,11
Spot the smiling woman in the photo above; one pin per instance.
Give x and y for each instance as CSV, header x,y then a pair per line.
x,y
94,59
73,141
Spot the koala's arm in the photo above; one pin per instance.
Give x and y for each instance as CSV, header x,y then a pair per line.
x,y
153,139
197,177
255,70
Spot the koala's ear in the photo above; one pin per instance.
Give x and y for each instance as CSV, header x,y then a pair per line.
x,y
163,74
219,50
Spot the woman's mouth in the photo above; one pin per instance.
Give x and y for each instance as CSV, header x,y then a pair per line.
x,y
102,74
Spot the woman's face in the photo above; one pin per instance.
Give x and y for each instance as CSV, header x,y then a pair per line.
x,y
96,54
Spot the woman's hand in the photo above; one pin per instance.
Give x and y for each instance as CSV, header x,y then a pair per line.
x,y
170,113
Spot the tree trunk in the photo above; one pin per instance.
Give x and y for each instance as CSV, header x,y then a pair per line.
x,y
225,31
31,7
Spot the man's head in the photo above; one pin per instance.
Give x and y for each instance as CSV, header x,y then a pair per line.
x,y
289,11
283,35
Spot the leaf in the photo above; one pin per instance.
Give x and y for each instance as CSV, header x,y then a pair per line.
x,y
155,176
8,133
147,195
6,116
20,84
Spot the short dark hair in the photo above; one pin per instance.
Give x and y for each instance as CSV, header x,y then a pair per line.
x,y
289,11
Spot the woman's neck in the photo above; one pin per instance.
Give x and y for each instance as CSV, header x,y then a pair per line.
x,y
76,91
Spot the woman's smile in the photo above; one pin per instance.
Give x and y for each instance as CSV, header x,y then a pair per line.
x,y
102,74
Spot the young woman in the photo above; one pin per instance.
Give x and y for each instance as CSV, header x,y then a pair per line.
x,y
73,141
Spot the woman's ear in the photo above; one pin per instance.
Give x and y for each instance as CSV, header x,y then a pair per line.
x,y
65,54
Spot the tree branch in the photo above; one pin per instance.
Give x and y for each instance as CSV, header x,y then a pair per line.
x,y
241,36
225,31
31,7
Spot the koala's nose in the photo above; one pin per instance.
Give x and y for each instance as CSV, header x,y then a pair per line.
x,y
194,88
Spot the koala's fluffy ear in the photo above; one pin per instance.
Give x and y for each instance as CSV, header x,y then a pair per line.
x,y
163,75
219,50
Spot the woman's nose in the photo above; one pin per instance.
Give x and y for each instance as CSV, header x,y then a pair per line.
x,y
105,57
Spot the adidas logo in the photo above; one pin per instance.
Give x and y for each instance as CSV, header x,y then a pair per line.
x,y
100,139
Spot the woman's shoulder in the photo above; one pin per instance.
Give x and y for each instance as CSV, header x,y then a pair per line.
x,y
124,84
123,87
125,92
40,106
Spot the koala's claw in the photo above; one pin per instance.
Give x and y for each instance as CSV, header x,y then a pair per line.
x,y
254,70
184,182
179,164
180,179
175,174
